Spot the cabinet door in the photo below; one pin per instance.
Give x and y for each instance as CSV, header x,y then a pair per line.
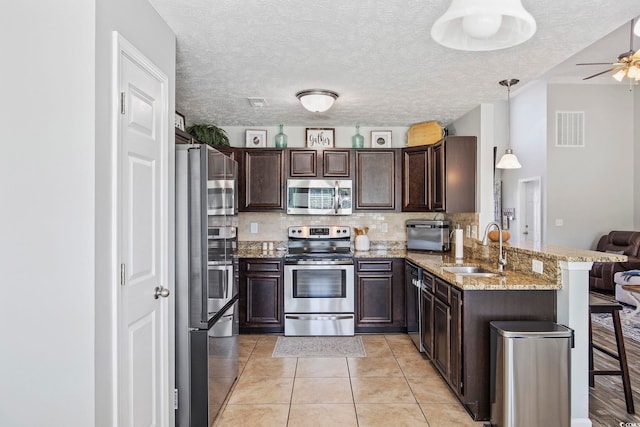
x,y
303,163
261,295
442,337
336,163
456,341
262,181
380,295
438,177
376,180
415,180
427,301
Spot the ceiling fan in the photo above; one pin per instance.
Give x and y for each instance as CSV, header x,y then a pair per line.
x,y
627,64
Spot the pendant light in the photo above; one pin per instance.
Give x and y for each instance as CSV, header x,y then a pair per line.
x,y
509,160
317,100
483,25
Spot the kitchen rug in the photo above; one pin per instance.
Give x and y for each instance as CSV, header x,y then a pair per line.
x,y
630,326
319,347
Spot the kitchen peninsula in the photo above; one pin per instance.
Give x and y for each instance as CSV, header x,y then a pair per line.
x,y
559,293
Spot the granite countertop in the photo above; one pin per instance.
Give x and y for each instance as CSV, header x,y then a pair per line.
x,y
515,276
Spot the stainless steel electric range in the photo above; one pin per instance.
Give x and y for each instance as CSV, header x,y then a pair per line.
x,y
319,282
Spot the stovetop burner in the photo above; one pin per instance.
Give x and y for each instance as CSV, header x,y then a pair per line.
x,y
319,244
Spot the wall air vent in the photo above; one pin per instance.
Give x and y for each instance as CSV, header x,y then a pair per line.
x,y
570,129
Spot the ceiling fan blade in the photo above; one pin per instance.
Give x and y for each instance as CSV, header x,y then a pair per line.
x,y
595,63
598,74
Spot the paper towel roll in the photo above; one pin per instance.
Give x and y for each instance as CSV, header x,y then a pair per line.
x,y
459,243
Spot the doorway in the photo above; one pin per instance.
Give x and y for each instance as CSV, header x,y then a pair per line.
x,y
530,205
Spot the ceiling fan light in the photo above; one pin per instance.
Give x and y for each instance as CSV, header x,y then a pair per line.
x,y
480,26
508,161
317,100
634,72
619,75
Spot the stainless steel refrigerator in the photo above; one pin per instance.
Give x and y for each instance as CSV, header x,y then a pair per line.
x,y
206,284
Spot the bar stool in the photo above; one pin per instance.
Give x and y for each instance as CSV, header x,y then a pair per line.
x,y
599,305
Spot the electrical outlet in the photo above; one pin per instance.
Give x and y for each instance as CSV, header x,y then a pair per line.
x,y
254,228
384,227
559,222
537,266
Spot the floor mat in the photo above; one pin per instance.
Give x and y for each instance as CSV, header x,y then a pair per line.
x,y
319,347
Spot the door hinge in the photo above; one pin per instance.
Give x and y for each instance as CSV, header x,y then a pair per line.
x,y
122,274
122,103
175,398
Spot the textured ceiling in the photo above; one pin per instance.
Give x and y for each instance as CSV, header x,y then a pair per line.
x,y
377,54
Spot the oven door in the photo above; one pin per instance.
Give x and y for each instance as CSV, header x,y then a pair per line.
x,y
319,288
220,287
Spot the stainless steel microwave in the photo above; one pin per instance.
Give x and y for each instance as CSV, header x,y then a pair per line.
x,y
319,196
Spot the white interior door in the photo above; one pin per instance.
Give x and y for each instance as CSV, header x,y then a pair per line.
x,y
143,314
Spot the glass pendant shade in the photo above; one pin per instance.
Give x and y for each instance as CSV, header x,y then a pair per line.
x,y
281,138
357,140
317,100
483,25
509,161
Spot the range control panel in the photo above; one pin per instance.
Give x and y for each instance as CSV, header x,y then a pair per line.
x,y
319,232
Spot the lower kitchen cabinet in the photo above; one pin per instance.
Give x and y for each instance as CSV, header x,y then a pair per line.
x,y
427,300
457,321
261,295
380,295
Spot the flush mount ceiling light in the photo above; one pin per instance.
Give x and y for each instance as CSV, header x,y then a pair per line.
x,y
317,100
509,160
483,25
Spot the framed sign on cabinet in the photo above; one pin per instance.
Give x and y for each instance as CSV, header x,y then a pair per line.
x,y
320,138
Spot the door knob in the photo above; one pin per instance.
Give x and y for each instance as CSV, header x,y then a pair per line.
x,y
160,292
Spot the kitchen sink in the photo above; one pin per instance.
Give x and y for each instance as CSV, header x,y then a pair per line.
x,y
470,271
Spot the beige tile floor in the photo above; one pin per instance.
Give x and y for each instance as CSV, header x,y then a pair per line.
x,y
394,385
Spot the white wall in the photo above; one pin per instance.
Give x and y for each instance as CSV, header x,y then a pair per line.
x,y
479,122
47,215
139,24
54,168
591,189
528,139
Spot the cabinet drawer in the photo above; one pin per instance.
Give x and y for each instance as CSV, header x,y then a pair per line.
x,y
443,291
428,281
268,266
380,265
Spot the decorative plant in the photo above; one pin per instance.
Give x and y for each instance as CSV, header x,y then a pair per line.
x,y
209,134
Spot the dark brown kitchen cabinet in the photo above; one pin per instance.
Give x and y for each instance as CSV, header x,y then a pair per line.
x,y
261,290
440,177
442,337
415,179
379,293
377,180
427,301
453,174
262,181
330,163
460,320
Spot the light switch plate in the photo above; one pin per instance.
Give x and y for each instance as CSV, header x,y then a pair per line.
x,y
254,227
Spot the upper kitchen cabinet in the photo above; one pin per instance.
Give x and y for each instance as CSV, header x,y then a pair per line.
x,y
332,163
262,178
377,179
440,177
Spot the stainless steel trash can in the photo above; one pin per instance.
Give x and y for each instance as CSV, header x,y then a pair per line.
x,y
530,374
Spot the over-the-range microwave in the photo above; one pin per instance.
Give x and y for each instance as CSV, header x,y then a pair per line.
x,y
319,196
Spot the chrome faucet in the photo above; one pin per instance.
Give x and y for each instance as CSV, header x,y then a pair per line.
x,y
502,258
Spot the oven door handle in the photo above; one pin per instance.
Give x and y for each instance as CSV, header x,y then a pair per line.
x,y
321,317
336,197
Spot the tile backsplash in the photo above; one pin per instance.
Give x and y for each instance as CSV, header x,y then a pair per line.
x,y
382,226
